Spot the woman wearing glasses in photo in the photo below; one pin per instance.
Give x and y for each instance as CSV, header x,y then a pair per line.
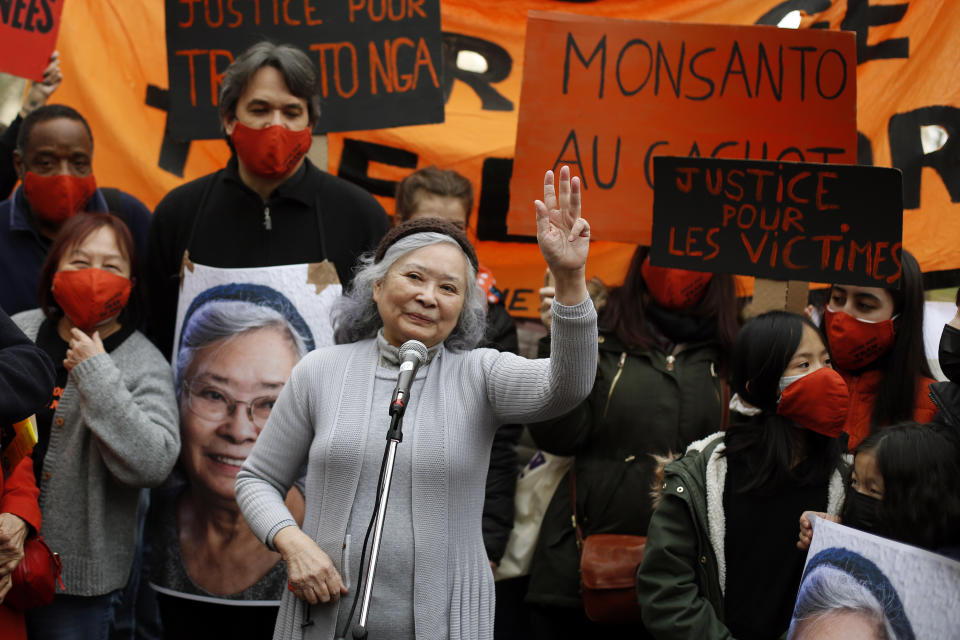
x,y
238,344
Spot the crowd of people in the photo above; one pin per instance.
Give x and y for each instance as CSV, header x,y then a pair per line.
x,y
207,466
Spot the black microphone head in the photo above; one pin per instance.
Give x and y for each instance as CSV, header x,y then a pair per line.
x,y
413,350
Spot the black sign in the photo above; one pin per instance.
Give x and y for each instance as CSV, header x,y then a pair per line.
x,y
779,220
379,60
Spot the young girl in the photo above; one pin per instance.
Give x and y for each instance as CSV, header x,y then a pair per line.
x,y
876,338
905,485
720,560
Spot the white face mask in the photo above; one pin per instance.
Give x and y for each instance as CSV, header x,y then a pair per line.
x,y
786,381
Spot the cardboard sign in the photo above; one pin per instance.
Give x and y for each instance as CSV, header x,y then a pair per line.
x,y
379,60
606,96
28,35
779,220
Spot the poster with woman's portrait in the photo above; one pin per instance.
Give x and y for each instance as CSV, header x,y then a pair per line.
x,y
239,333
858,585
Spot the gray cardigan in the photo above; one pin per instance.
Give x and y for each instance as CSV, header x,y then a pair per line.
x,y
321,419
114,431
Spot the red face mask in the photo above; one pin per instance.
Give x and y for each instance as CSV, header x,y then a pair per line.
x,y
56,198
855,343
674,288
818,401
90,296
271,152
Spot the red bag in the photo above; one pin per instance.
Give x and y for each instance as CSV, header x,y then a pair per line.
x,y
36,578
608,570
608,575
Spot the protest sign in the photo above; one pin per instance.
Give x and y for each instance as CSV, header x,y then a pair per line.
x,y
28,35
379,60
905,78
858,585
779,220
239,333
606,96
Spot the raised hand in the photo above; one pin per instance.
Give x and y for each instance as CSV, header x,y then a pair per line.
x,y
40,92
563,236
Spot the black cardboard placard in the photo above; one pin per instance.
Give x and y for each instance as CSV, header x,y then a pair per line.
x,y
379,60
778,220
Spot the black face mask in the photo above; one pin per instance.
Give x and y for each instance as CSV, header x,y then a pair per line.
x,y
861,511
950,353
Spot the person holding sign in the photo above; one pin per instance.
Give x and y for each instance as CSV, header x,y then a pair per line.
x,y
54,161
433,577
35,98
720,560
270,206
665,337
111,427
905,485
876,338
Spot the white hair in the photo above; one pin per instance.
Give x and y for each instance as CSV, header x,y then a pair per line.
x,y
356,317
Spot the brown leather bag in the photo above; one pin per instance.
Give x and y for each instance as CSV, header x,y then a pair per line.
x,y
608,570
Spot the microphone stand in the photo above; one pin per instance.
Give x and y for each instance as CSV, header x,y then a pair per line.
x,y
394,437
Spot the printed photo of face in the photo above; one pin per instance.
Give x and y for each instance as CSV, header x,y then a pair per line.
x,y
841,625
230,388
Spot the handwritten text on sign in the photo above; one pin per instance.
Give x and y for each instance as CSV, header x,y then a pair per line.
x,y
378,60
606,96
779,220
28,35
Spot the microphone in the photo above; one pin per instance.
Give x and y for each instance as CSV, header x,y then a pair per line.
x,y
413,355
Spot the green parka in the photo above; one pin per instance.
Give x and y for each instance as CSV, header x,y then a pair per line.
x,y
680,583
644,402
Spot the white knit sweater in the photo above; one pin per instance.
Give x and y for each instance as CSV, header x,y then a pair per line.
x,y
321,419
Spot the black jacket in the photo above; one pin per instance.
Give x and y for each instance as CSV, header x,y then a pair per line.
x,y
313,216
26,374
946,395
643,403
8,142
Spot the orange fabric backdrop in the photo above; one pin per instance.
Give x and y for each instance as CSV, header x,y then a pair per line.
x,y
112,50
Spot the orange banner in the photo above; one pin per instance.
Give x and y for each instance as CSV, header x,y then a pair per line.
x,y
114,65
607,96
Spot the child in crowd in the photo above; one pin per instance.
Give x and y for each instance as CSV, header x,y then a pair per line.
x,y
720,560
905,485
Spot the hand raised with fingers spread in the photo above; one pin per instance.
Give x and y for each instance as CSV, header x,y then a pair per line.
x,y
564,236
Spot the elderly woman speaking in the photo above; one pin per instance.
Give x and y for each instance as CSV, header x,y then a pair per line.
x,y
433,579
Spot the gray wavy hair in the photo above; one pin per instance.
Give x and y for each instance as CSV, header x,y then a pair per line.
x,y
222,320
828,591
356,317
